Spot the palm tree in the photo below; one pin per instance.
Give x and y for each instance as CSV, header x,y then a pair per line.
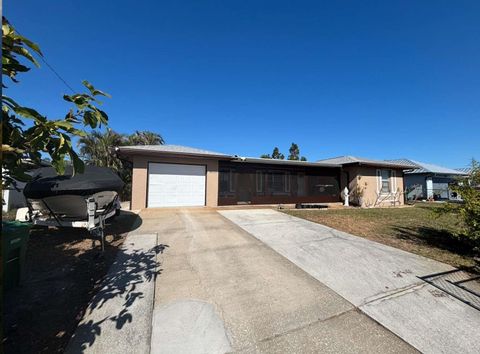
x,y
145,137
97,148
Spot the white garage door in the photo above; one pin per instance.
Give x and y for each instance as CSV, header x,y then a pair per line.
x,y
173,185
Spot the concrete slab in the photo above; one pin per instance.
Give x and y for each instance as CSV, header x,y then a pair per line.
x,y
119,318
259,295
382,281
356,268
340,334
429,319
188,326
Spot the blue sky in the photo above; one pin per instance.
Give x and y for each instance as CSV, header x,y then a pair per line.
x,y
377,79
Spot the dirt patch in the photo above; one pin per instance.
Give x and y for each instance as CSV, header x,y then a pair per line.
x,y
63,272
9,215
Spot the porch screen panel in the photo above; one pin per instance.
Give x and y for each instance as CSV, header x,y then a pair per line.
x,y
244,183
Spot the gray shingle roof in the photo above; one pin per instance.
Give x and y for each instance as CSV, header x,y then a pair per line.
x,y
423,167
345,160
172,149
404,162
466,170
418,167
340,160
285,162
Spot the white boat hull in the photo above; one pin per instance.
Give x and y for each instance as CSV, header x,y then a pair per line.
x,y
71,206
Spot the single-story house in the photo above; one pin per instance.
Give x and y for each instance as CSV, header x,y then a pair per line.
x,y
429,181
372,182
12,196
466,170
172,176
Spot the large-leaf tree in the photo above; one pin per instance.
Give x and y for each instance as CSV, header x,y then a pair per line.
x,y
26,133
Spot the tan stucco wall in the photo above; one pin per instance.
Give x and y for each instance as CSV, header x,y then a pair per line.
x,y
366,178
140,177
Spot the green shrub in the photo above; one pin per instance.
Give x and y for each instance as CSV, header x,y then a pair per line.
x,y
469,210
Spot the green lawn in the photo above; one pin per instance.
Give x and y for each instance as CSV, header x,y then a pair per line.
x,y
414,229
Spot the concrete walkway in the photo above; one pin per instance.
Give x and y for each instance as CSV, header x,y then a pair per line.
x,y
381,281
220,289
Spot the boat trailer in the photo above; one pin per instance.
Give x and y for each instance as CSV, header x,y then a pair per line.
x,y
94,223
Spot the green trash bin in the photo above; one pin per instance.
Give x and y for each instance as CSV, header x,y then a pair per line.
x,y
14,248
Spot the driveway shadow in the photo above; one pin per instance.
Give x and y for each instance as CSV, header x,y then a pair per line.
x,y
62,274
121,283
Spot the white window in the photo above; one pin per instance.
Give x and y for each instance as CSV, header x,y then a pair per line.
x,y
385,181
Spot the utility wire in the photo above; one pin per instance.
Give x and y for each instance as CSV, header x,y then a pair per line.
x,y
57,74
42,58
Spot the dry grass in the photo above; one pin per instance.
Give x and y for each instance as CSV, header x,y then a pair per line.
x,y
413,229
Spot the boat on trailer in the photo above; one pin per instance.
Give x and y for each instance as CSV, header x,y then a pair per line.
x,y
81,200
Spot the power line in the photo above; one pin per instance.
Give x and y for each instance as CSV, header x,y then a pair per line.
x,y
57,74
42,58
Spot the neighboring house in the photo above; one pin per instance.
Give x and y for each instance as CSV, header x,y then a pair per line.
x,y
172,176
465,170
371,182
12,198
429,181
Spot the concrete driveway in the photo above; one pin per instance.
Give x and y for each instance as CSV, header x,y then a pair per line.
x,y
221,289
261,281
380,281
